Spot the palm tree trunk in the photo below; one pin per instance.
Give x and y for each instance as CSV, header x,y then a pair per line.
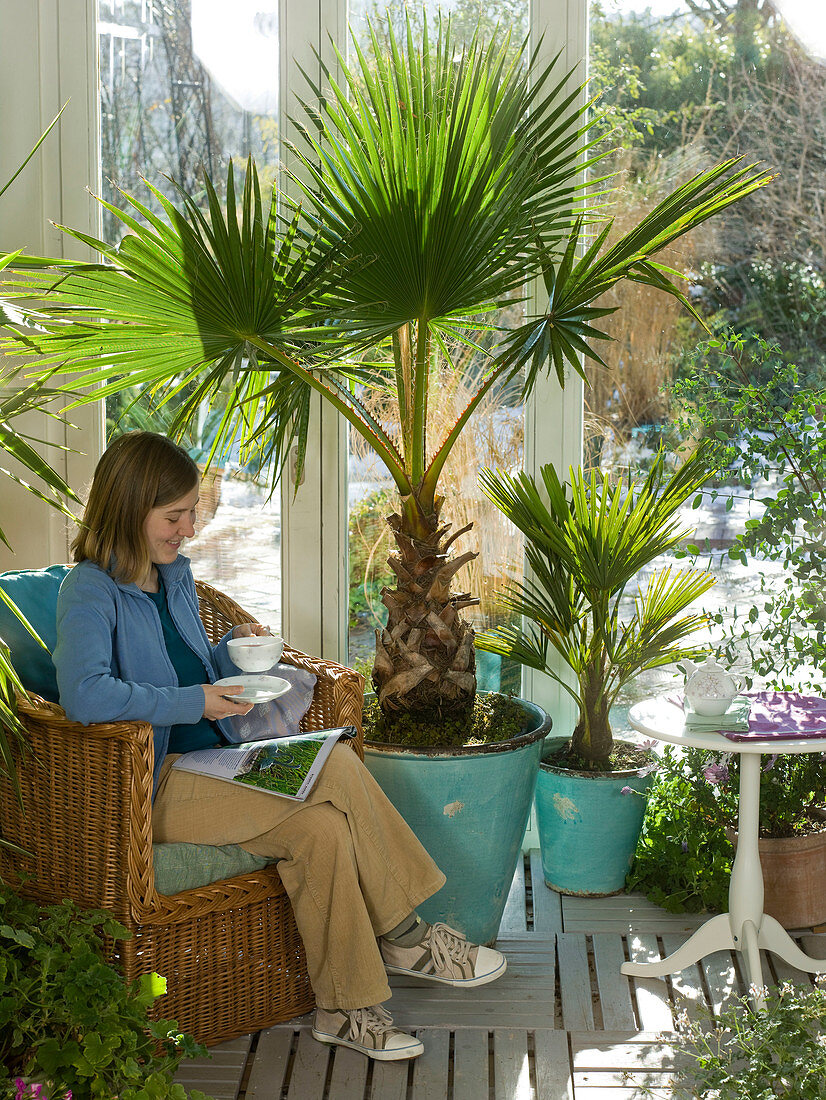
x,y
592,739
425,660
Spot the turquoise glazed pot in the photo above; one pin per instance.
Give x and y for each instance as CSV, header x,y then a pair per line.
x,y
469,808
588,829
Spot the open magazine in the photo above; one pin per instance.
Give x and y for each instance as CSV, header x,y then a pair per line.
x,y
287,766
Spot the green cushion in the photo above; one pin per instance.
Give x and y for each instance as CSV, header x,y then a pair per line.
x,y
187,866
34,591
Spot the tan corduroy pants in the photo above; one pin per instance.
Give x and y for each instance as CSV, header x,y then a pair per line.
x,y
349,862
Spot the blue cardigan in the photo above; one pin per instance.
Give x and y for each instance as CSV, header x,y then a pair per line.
x,y
111,659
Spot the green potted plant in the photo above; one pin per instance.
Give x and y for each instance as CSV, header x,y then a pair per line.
x,y
70,1025
737,1052
742,388
438,179
592,625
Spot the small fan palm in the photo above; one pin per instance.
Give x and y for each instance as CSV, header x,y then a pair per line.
x,y
586,550
438,180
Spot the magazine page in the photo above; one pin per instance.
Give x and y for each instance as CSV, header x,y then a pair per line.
x,y
285,766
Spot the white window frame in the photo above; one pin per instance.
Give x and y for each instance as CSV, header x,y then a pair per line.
x,y
554,418
48,56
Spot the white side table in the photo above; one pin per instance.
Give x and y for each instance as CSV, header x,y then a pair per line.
x,y
745,927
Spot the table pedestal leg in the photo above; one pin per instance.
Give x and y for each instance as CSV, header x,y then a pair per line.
x,y
714,935
774,937
754,967
745,927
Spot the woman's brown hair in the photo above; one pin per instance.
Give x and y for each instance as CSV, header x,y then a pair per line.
x,y
137,472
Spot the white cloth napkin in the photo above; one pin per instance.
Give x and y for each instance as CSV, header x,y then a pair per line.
x,y
736,717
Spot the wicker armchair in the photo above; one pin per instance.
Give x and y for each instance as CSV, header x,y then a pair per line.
x,y
230,951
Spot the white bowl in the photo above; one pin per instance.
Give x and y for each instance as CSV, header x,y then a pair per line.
x,y
257,653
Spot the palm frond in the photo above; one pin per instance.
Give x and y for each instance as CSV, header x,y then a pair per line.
x,y
215,298
446,161
37,145
563,334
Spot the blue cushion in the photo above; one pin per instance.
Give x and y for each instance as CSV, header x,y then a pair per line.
x,y
34,591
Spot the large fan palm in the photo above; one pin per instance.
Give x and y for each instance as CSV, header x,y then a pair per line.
x,y
437,182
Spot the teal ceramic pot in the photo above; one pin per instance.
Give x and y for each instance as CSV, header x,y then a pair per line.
x,y
588,829
469,808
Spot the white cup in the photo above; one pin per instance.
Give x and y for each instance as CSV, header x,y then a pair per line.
x,y
258,653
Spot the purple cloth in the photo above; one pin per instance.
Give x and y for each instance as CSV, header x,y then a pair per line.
x,y
279,717
782,715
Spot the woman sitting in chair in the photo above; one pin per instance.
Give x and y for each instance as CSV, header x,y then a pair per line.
x,y
131,646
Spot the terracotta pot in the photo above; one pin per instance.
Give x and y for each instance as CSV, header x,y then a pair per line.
x,y
794,878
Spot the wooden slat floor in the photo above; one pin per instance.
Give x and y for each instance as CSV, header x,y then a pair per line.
x,y
562,1024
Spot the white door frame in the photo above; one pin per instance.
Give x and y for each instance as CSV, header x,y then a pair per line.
x,y
48,56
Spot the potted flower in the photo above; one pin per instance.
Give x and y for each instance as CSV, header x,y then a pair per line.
x,y
735,1053
586,608
694,805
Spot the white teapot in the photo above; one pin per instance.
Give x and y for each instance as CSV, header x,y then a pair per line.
x,y
709,687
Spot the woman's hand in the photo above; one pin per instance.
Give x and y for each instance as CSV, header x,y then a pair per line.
x,y
217,705
249,630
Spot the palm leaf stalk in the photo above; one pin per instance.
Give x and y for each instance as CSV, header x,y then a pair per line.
x,y
437,182
586,548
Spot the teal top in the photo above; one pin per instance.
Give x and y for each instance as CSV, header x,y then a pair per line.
x,y
190,670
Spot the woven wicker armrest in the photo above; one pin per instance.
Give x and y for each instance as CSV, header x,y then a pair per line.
x,y
338,698
86,818
339,691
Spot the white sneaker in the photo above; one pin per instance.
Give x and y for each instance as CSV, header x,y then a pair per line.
x,y
444,955
368,1030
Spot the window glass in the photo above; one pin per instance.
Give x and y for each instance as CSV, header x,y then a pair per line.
x,y
187,85
494,437
685,85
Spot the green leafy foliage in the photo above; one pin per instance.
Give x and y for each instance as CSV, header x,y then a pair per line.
x,y
586,546
778,1051
685,854
69,1021
764,432
661,80
367,558
783,302
683,858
